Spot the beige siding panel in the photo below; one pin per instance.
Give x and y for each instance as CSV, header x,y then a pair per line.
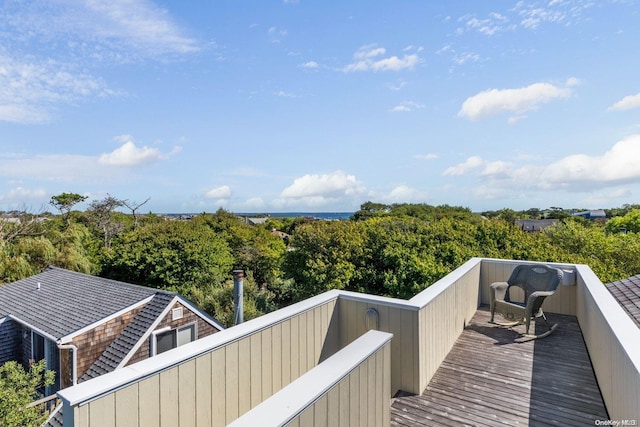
x,y
102,411
286,353
81,416
203,390
364,395
295,349
244,375
386,384
302,342
409,351
306,417
318,332
218,388
324,328
169,416
149,401
333,406
312,360
256,369
294,423
276,357
381,397
127,406
371,390
267,381
320,416
354,397
231,382
345,399
187,394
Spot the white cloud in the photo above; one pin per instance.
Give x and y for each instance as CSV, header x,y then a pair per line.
x,y
428,156
253,203
128,154
520,100
276,34
66,168
404,194
114,30
367,60
406,106
29,91
575,173
462,168
309,65
489,26
21,194
626,103
335,184
616,166
369,51
222,192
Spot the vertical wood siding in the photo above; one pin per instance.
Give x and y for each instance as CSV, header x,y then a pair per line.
x,y
613,342
359,399
217,387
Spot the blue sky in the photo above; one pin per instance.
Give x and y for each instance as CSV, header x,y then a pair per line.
x,y
267,106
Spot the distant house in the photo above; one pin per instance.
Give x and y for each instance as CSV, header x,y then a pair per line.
x,y
85,326
534,225
591,215
281,234
627,293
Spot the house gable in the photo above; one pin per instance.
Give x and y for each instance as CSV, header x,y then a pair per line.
x,y
205,326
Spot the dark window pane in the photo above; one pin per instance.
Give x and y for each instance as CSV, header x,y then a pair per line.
x,y
165,341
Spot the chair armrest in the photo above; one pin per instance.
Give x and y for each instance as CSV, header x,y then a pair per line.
x,y
537,294
499,291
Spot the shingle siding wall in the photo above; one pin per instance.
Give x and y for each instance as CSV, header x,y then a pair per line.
x,y
204,329
10,341
26,345
92,343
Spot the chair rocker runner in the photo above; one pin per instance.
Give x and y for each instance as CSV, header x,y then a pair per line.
x,y
538,282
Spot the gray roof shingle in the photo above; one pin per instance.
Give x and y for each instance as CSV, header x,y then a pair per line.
x,y
129,337
627,293
68,301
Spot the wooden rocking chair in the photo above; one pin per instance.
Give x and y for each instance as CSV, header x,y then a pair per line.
x,y
538,282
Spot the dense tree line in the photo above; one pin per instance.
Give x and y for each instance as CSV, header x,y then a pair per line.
x,y
395,250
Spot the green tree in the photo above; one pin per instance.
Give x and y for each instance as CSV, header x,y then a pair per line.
x,y
64,202
174,255
630,222
18,388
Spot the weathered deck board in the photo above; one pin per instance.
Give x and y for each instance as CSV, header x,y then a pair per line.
x,y
488,379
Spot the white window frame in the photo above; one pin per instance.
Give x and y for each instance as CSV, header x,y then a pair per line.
x,y
153,347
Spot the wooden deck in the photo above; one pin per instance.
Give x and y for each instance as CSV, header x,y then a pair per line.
x,y
487,379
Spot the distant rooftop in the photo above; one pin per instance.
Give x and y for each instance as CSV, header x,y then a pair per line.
x,y
627,293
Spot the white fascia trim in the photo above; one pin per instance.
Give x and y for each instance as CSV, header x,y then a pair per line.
x,y
200,313
146,335
67,338
34,329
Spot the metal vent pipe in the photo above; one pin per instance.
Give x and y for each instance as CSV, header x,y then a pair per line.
x,y
238,305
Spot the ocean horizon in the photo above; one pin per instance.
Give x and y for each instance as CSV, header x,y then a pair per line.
x,y
317,215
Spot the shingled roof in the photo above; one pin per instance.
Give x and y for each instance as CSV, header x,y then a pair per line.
x,y
115,353
627,293
60,302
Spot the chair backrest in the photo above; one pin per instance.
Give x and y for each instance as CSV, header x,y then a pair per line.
x,y
535,277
